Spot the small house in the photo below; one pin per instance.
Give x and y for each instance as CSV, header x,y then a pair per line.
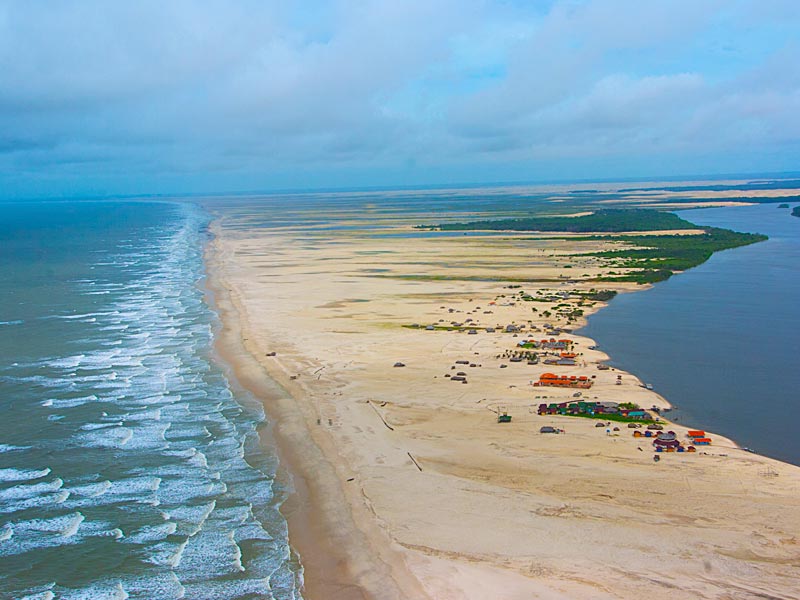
x,y
666,440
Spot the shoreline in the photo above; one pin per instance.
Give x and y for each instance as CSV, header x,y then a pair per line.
x,y
322,508
320,541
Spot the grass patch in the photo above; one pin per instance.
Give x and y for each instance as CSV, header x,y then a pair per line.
x,y
659,256
616,418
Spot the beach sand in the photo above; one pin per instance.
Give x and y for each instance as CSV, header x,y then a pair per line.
x,y
407,487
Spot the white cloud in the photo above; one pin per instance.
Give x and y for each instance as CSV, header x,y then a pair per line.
x,y
259,87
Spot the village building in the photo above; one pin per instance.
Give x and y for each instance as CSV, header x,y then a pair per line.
x,y
553,380
666,441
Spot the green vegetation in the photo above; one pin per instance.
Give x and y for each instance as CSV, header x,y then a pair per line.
x,y
604,220
796,211
651,258
600,296
611,417
659,256
784,205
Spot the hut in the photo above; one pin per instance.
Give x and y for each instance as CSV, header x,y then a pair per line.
x,y
634,414
696,433
666,440
702,441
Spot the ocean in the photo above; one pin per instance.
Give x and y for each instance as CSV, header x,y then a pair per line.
x,y
721,341
130,464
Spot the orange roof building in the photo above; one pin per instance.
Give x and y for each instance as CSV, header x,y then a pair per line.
x,y
553,380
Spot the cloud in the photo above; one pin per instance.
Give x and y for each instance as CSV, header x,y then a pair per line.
x,y
371,91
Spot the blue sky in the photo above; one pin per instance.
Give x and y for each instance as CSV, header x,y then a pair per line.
x,y
102,97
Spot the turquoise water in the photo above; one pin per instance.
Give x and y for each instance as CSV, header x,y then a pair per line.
x,y
721,341
129,466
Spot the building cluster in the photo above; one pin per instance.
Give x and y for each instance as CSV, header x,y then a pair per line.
x,y
592,408
573,381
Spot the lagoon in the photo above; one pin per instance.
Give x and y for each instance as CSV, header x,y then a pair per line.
x,y
721,341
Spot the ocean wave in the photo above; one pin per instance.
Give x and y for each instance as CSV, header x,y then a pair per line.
x,y
113,437
167,554
72,525
137,393
190,519
91,490
95,426
28,490
42,592
58,528
14,322
40,501
22,474
12,448
153,533
97,591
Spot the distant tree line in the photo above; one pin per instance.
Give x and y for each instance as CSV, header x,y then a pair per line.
x,y
604,220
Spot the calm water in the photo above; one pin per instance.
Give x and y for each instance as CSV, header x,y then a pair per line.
x,y
128,467
722,341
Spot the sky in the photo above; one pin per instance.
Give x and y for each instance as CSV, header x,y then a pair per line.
x,y
154,97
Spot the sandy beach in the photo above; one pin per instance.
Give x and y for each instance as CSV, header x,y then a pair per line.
x,y
406,486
